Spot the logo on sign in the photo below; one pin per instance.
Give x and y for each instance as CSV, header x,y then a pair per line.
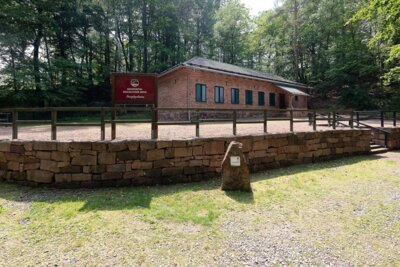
x,y
135,83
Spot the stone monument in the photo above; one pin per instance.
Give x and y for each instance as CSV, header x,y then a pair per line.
x,y
235,169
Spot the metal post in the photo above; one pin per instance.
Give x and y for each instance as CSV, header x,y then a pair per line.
x,y
334,120
54,125
234,122
113,125
15,124
352,119
265,121
382,119
154,125
314,120
395,119
103,126
291,120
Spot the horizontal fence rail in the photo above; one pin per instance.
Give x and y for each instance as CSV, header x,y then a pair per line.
x,y
108,116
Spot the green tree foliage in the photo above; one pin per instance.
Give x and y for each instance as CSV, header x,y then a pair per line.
x,y
231,29
383,18
55,53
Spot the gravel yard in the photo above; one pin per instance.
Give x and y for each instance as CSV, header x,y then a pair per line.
x,y
143,131
338,213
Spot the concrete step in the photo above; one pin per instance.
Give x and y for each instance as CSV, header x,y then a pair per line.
x,y
373,146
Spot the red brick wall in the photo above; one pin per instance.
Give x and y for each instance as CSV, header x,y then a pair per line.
x,y
177,86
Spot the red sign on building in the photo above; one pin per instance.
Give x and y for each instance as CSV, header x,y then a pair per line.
x,y
134,89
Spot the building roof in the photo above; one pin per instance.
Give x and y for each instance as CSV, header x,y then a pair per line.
x,y
207,64
292,90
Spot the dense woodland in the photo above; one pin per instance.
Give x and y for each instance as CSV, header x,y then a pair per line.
x,y
61,53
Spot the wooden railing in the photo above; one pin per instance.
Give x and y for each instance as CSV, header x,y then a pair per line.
x,y
333,118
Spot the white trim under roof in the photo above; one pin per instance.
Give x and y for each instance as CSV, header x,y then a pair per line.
x,y
292,90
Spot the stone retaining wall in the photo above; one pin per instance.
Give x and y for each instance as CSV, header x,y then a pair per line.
x,y
122,163
393,138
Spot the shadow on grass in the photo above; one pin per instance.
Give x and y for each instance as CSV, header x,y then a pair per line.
x,y
321,165
141,197
241,197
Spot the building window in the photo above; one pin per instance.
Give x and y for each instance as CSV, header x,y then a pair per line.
x,y
201,90
235,96
272,100
296,98
219,94
249,97
261,98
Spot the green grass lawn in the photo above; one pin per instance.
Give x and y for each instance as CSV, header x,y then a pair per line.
x,y
344,212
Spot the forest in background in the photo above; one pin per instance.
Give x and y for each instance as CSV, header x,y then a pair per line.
x,y
61,53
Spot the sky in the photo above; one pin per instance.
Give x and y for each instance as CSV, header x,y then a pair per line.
x,y
257,6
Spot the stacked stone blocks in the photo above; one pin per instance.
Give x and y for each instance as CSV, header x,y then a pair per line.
x,y
124,163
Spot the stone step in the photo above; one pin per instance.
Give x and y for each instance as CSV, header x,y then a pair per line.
x,y
380,150
373,146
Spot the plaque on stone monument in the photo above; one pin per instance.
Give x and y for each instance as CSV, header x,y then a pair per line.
x,y
235,169
235,161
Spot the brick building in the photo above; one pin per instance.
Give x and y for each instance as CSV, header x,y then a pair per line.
x,y
203,83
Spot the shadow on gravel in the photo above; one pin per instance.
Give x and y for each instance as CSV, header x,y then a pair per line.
x,y
141,197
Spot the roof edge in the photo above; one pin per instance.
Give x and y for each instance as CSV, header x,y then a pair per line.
x,y
194,66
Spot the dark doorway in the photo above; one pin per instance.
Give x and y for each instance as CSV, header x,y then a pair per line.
x,y
282,101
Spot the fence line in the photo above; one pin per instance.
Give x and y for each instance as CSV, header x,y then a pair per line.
x,y
332,117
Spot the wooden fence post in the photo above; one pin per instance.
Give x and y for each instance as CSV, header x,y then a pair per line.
x,y
234,122
382,119
329,120
334,120
197,124
395,119
113,125
352,119
358,118
291,121
103,125
265,121
314,120
53,125
15,124
154,125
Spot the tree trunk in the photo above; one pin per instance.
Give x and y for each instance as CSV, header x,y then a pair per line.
x,y
36,60
50,69
15,85
130,38
107,54
145,35
295,42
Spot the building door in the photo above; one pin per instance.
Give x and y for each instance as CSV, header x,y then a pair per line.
x,y
282,101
